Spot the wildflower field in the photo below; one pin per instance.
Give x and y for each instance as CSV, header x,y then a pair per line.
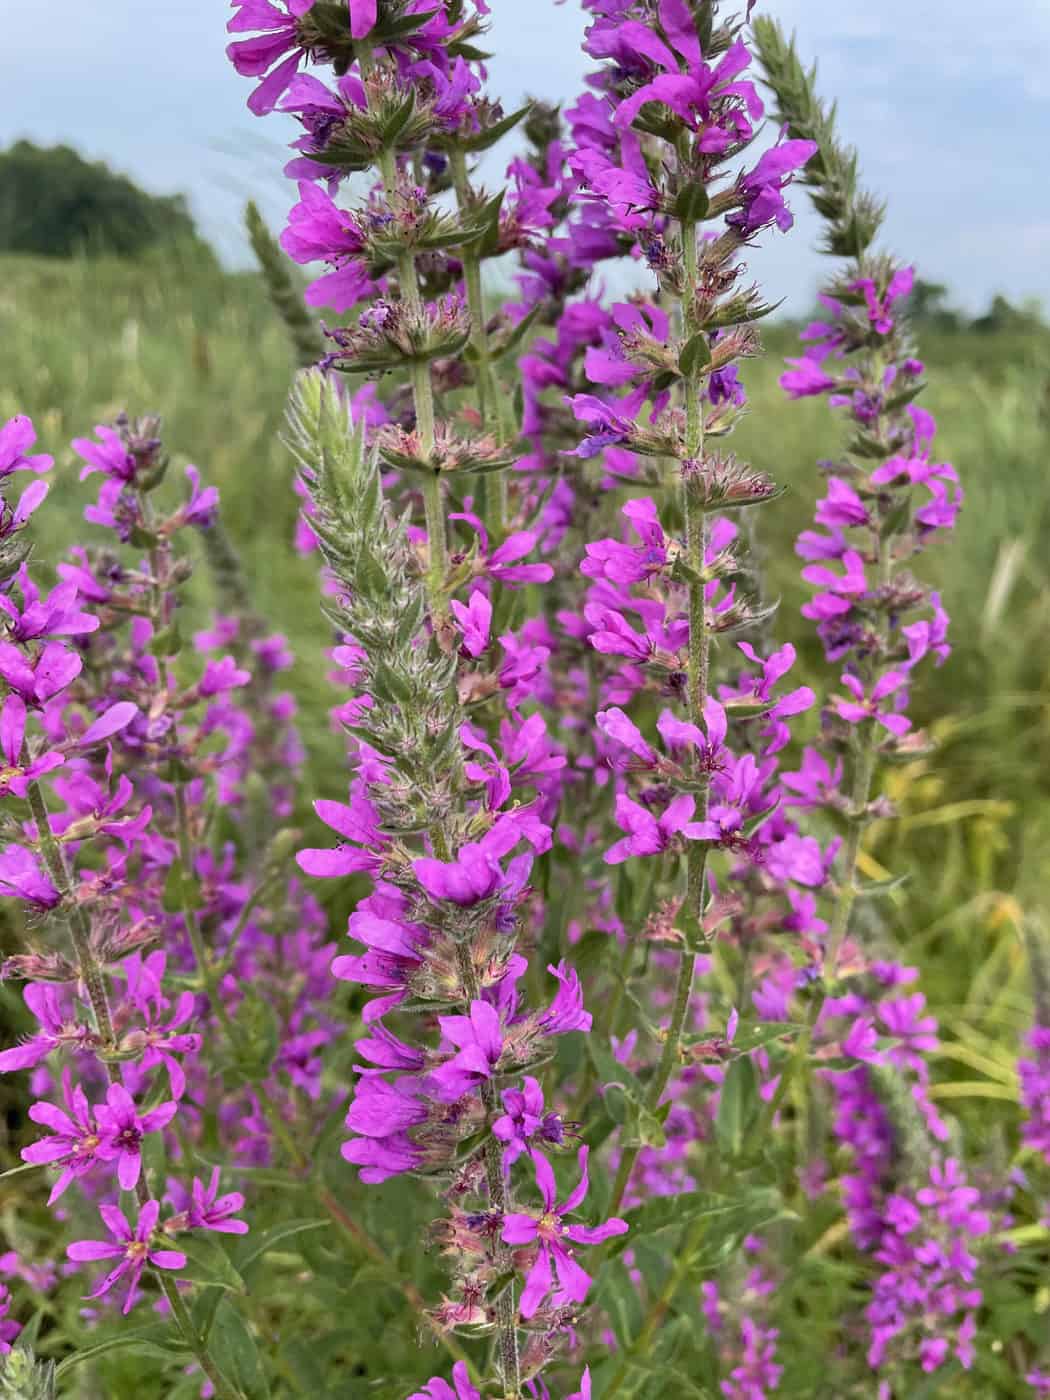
x,y
512,886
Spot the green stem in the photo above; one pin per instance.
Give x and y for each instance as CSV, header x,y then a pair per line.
x,y
184,1322
697,534
484,380
506,1303
76,920
658,1309
865,763
422,389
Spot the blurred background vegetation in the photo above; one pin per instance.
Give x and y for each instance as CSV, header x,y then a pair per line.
x,y
146,319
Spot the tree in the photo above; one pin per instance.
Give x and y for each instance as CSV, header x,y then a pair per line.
x,y
56,204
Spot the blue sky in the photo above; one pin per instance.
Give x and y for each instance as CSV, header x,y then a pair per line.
x,y
950,109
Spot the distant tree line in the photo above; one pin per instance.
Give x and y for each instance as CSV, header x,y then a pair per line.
x,y
931,309
54,203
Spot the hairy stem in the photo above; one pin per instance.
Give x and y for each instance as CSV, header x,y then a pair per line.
x,y
506,1304
486,389
76,920
696,691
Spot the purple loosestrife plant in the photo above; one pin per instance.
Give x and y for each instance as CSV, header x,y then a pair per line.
x,y
677,104
439,929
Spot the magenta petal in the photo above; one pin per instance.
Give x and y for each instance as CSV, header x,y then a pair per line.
x,y
519,1229
117,717
327,864
537,1285
84,1250
168,1258
362,18
587,1234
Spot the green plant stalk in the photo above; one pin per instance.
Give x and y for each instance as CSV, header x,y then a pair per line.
x,y
506,1303
658,1308
76,920
184,1322
423,395
865,763
484,379
697,689
423,399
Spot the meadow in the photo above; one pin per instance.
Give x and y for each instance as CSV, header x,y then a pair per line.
x,y
81,340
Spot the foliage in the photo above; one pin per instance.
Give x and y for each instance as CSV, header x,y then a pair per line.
x,y
55,204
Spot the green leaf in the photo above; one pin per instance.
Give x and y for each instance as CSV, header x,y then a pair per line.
x,y
484,139
236,1353
876,889
518,334
695,354
610,1071
643,1127
255,1246
159,1337
756,1034
181,890
166,642
618,1295
691,203
208,1263
738,1106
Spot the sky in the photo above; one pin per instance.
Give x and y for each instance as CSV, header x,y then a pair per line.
x,y
949,108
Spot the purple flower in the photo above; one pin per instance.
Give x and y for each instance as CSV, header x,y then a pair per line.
x,y
476,873
210,1211
461,1388
475,621
362,17
109,456
359,824
864,707
202,506
134,1249
565,1012
15,776
624,564
256,57
22,877
648,835
806,379
54,616
525,1121
9,1328
555,1266
395,948
55,668
123,1130
478,1038
840,589
1034,1070
680,734
56,1029
760,191
222,675
16,436
75,1137
607,427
